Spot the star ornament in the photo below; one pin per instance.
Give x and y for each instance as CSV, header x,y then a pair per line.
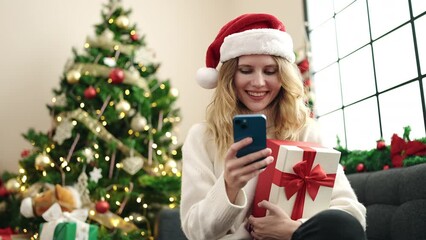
x,y
63,131
95,174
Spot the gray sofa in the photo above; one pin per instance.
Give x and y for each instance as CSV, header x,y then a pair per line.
x,y
395,201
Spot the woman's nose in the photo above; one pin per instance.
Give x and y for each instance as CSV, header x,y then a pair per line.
x,y
258,80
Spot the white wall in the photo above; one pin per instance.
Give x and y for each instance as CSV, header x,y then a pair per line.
x,y
37,37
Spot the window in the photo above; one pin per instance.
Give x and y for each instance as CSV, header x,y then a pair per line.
x,y
368,63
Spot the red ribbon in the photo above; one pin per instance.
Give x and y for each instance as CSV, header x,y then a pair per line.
x,y
305,179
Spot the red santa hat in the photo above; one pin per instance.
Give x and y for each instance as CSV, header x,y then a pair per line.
x,y
245,35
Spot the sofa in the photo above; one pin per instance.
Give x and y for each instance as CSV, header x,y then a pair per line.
x,y
395,200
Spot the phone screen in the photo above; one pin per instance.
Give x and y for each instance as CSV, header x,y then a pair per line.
x,y
250,125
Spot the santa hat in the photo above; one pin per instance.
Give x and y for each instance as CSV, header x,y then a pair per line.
x,y
245,35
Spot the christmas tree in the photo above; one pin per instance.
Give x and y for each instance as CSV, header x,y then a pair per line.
x,y
112,138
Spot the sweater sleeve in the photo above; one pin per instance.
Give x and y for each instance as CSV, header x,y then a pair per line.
x,y
206,212
344,198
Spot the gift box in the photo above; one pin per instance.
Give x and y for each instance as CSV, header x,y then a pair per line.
x,y
68,231
300,180
67,225
8,234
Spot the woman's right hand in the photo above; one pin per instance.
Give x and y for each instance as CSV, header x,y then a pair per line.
x,y
238,171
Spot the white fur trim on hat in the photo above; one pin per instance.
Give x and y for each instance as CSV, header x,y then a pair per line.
x,y
258,41
207,77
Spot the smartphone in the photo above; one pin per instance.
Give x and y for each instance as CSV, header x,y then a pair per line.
x,y
250,125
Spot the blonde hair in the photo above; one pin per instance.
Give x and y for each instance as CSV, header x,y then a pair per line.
x,y
287,113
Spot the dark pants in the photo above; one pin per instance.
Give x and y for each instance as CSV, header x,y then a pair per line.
x,y
330,225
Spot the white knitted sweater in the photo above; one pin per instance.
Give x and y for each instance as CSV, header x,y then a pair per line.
x,y
206,212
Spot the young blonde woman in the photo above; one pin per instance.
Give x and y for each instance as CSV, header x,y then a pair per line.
x,y
256,74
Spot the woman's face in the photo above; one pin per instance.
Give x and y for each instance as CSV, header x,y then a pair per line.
x,y
256,81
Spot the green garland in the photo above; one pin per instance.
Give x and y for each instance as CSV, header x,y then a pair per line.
x,y
380,158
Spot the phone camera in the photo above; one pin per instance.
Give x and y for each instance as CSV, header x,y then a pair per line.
x,y
242,123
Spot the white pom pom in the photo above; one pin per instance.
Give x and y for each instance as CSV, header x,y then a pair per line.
x,y
207,77
27,207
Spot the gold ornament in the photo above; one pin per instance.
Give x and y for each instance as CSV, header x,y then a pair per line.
x,y
138,122
123,106
122,22
12,185
42,161
73,76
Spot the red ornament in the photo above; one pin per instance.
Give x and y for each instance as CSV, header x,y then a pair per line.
x,y
307,82
116,75
25,153
303,65
380,144
102,206
386,167
90,92
3,192
360,167
134,37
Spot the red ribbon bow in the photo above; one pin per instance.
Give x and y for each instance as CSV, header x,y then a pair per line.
x,y
305,179
400,149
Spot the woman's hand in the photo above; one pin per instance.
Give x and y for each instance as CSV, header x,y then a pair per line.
x,y
238,171
275,225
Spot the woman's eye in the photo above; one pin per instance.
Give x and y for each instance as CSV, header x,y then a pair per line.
x,y
270,71
245,70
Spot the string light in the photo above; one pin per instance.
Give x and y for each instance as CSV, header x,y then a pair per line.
x,y
82,105
174,92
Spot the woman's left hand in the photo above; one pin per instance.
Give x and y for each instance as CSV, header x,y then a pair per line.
x,y
275,225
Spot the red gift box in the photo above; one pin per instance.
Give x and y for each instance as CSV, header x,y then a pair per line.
x,y
300,180
5,233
